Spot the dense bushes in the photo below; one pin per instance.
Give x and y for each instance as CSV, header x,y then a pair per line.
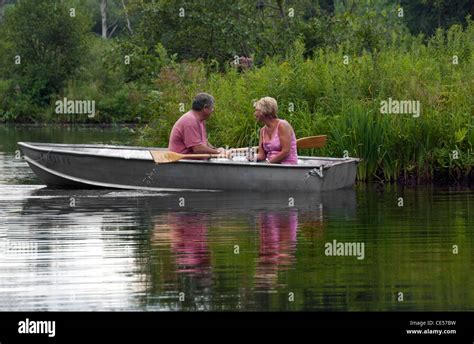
x,y
43,48
330,66
344,101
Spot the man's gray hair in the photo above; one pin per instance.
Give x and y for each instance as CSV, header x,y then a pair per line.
x,y
202,100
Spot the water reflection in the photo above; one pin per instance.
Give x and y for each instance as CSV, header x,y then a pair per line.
x,y
227,244
57,257
277,247
142,249
117,250
185,235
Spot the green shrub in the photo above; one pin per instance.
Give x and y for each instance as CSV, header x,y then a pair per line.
x,y
343,101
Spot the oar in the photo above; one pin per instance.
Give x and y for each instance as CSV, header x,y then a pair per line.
x,y
163,157
311,142
302,143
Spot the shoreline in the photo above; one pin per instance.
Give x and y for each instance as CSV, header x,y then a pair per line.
x,y
440,177
69,124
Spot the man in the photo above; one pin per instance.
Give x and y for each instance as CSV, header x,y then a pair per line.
x,y
189,135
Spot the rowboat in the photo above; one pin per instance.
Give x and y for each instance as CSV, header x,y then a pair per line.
x,y
127,167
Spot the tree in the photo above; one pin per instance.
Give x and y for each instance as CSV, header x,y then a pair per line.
x,y
109,17
127,18
108,30
220,30
44,47
2,9
425,16
103,14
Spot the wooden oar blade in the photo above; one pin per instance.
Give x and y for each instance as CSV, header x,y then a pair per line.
x,y
163,157
311,142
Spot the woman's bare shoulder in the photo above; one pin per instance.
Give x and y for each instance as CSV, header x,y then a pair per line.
x,y
285,126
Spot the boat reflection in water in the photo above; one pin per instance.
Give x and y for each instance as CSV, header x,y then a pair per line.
x,y
213,225
223,250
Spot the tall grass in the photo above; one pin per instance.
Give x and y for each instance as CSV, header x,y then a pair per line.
x,y
343,101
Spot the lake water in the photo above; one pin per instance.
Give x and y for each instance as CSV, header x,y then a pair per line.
x,y
133,250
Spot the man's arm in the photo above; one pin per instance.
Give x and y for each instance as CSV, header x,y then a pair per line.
x,y
201,149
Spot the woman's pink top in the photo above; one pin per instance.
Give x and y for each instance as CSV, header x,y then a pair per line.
x,y
273,147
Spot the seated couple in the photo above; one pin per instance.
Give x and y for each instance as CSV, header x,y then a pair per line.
x,y
277,144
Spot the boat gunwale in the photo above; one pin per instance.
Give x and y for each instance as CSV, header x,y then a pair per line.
x,y
38,147
111,185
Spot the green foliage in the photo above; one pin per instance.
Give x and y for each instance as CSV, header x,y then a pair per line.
x,y
220,30
43,48
425,16
343,101
299,47
115,16
116,101
193,29
134,61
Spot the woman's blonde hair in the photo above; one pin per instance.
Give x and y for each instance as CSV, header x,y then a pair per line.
x,y
268,106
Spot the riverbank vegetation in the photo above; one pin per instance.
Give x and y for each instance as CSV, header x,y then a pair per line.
x,y
330,65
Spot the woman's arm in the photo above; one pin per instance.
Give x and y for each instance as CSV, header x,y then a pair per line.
x,y
284,132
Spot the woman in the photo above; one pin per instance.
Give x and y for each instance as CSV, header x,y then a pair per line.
x,y
277,139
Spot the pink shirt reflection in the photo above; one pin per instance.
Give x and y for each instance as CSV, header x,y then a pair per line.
x,y
187,236
189,232
278,232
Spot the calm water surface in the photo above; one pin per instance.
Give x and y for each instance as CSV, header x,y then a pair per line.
x,y
132,250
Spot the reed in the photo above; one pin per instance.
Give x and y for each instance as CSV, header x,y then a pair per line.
x,y
323,95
